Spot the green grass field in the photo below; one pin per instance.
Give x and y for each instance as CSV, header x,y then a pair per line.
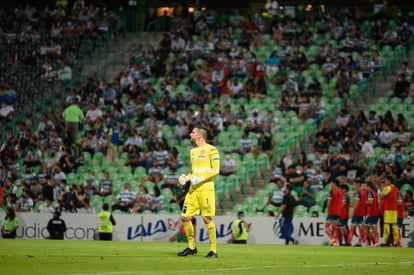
x,y
93,257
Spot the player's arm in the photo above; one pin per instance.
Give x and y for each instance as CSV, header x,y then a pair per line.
x,y
385,191
329,199
356,204
281,210
207,173
370,199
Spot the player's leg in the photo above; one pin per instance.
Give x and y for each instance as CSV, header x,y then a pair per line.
x,y
395,234
207,203
190,208
328,227
385,233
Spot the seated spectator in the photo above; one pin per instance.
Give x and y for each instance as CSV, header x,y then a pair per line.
x,y
105,185
275,197
33,157
135,157
402,137
91,184
291,87
265,143
409,202
6,111
46,207
401,87
385,137
80,196
171,179
296,177
281,75
245,144
407,175
86,208
25,203
307,196
157,200
143,201
155,174
366,65
227,165
125,199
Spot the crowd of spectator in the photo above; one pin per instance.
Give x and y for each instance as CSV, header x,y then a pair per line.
x,y
141,117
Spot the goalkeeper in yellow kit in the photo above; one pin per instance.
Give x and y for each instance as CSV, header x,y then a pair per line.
x,y
205,165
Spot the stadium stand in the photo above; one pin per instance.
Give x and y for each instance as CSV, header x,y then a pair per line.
x,y
300,81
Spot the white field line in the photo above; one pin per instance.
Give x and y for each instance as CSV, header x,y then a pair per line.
x,y
246,268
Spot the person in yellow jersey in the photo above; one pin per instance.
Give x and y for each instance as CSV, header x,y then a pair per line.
x,y
239,233
105,223
205,165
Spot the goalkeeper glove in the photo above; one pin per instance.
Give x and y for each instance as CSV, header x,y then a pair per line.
x,y
196,180
183,179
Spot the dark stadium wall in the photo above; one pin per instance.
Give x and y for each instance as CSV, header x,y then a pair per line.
x,y
219,4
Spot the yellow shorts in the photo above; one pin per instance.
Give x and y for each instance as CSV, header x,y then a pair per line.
x,y
197,203
390,216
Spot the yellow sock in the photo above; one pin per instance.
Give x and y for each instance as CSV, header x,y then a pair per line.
x,y
189,232
386,233
395,234
211,231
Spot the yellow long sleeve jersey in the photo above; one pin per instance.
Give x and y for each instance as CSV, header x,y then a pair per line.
x,y
205,162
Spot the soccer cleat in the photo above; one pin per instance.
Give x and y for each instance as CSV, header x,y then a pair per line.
x,y
357,245
332,242
187,251
211,254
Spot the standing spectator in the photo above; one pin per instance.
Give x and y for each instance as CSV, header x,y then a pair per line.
x,y
73,116
10,224
388,197
239,232
105,223
125,199
334,204
56,227
287,209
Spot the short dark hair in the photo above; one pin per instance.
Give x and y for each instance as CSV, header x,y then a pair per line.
x,y
105,206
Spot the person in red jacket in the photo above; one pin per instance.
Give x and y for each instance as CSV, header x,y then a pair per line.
x,y
358,213
373,213
334,204
389,202
343,221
